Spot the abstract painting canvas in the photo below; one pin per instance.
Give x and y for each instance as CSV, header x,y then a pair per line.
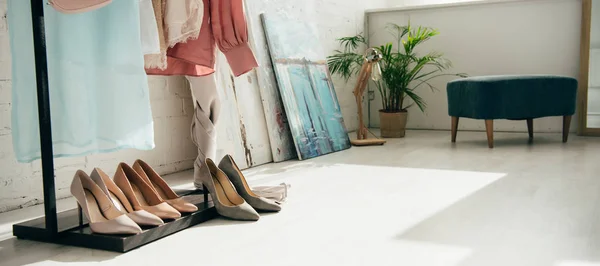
x,y
305,86
278,127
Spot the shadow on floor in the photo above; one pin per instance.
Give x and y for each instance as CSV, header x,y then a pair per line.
x,y
519,221
223,221
15,251
543,212
533,216
514,140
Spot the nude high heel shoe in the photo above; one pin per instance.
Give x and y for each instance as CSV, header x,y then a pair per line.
x,y
111,189
141,195
226,200
103,216
236,177
162,188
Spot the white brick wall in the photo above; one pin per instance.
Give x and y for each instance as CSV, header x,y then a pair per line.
x,y
21,184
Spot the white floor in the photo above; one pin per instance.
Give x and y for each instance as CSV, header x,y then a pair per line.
x,y
415,201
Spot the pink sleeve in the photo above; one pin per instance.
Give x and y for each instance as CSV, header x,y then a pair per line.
x,y
231,34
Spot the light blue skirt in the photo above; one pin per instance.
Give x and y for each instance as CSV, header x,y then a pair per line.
x,y
98,87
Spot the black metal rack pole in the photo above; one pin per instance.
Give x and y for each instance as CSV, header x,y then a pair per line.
x,y
43,99
72,233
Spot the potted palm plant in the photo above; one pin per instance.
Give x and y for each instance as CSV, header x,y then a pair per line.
x,y
403,71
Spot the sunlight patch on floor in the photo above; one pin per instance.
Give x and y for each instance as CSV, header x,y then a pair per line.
x,y
406,194
343,215
336,214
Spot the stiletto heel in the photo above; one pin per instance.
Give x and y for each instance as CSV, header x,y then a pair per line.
x,y
111,190
80,215
102,215
162,188
141,195
226,200
205,192
236,177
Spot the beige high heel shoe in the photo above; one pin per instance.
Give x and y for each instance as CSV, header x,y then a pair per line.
x,y
226,200
162,188
111,189
103,216
236,177
141,195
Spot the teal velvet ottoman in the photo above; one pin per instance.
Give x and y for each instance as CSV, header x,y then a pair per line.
x,y
513,98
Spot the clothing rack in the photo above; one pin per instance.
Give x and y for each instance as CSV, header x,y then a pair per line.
x,y
69,228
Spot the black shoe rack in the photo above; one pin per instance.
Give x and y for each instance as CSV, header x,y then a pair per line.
x,y
73,229
69,227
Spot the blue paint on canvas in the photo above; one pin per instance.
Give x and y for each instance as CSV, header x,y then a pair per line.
x,y
305,86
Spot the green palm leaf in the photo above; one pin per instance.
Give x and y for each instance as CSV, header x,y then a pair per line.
x,y
403,70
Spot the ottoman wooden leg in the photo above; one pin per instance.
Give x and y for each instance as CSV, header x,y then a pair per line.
x,y
566,127
454,127
489,128
530,128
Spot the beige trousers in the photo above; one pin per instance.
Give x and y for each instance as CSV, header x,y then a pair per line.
x,y
207,108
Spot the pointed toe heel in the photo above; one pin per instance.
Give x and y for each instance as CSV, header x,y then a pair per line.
x,y
141,195
100,211
117,196
162,188
226,200
229,167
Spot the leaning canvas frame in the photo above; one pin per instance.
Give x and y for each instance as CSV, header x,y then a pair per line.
x,y
304,82
280,136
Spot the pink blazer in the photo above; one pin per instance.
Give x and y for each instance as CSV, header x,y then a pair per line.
x,y
224,24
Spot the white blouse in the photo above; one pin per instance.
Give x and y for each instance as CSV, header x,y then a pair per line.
x,y
148,28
